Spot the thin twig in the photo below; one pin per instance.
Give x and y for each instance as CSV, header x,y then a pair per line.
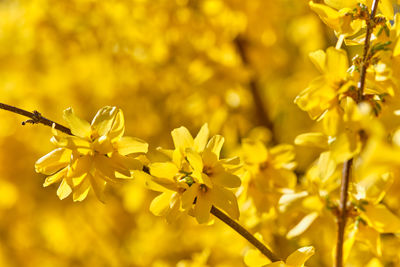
x,y
35,117
246,234
346,171
342,216
364,63
261,109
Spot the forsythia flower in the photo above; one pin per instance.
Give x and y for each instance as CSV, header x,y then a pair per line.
x,y
269,171
96,154
296,259
322,93
197,178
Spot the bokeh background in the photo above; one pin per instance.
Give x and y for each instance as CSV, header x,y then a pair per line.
x,y
237,65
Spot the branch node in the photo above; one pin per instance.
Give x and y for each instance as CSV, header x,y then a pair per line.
x,y
36,118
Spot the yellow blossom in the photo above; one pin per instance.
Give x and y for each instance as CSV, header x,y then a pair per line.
x,y
196,178
96,154
296,259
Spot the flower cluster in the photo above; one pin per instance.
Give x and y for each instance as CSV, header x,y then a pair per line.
x,y
96,154
195,178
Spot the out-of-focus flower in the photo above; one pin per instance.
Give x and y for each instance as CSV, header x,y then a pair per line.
x,y
96,154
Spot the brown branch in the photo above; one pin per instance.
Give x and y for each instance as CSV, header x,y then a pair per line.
x,y
246,234
342,216
346,171
365,63
35,117
261,109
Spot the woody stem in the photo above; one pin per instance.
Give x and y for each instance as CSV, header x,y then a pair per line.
x,y
364,63
346,171
35,117
243,232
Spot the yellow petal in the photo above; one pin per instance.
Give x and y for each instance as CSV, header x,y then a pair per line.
x,y
254,258
201,138
98,186
118,127
327,14
174,210
303,225
189,195
312,139
326,166
195,160
300,256
163,169
318,59
72,143
103,145
53,161
203,207
81,192
103,120
351,231
396,49
281,155
128,145
371,237
386,7
254,151
78,126
316,98
55,177
182,138
374,262
205,179
336,63
226,200
63,190
80,166
215,144
226,179
381,219
125,163
160,204
339,4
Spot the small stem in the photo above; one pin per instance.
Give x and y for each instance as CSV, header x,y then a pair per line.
x,y
35,117
365,64
261,110
246,234
342,217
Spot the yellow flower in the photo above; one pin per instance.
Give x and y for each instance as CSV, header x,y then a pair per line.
x,y
269,172
321,96
296,259
96,154
196,178
338,16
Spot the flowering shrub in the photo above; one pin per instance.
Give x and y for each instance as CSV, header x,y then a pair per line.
x,y
323,183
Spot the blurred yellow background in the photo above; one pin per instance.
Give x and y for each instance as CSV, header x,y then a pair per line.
x,y
165,64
